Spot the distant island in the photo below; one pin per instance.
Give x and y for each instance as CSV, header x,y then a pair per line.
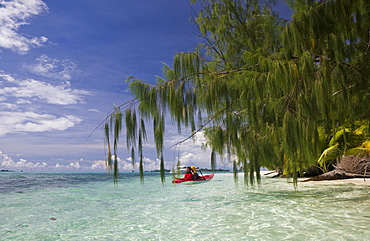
x,y
3,170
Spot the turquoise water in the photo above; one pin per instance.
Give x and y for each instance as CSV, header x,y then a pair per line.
x,y
76,206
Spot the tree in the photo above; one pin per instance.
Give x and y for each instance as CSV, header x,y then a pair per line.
x,y
261,87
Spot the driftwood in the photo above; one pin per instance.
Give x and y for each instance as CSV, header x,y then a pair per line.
x,y
272,174
348,167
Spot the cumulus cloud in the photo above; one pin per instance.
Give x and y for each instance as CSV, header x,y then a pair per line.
x,y
98,165
13,14
70,166
188,158
52,68
7,162
124,165
61,94
15,122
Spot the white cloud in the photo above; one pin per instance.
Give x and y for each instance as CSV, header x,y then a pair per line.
x,y
98,165
172,138
188,158
94,110
7,106
52,68
7,162
61,94
75,165
124,165
22,101
148,164
7,77
190,152
14,122
14,14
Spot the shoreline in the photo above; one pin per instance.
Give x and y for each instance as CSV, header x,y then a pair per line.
x,y
356,181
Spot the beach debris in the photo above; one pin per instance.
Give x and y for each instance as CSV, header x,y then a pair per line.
x,y
271,174
349,167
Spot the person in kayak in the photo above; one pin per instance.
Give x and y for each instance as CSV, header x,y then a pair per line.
x,y
190,174
193,170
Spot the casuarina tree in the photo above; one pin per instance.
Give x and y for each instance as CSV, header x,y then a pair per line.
x,y
270,91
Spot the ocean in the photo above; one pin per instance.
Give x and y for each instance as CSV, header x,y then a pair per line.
x,y
88,206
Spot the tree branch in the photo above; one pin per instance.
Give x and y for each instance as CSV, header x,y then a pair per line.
x,y
199,129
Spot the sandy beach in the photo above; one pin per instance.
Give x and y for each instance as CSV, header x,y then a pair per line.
x,y
357,181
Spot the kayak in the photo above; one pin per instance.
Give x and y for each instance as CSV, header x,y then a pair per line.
x,y
198,180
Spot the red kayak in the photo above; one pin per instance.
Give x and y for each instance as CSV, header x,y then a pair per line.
x,y
198,180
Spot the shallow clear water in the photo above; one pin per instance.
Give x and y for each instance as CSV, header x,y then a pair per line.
x,y
87,206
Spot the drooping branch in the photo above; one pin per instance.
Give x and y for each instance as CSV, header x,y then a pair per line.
x,y
246,58
205,124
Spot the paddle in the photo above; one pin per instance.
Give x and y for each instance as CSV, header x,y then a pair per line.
x,y
202,174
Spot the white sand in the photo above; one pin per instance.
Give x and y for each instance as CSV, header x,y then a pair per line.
x,y
357,181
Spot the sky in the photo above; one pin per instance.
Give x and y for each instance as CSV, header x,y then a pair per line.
x,y
63,66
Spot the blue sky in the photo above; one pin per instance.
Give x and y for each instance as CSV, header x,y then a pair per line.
x,y
63,65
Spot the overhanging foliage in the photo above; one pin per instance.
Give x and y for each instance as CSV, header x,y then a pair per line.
x,y
261,87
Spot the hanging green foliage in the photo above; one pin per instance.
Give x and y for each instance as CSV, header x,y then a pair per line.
x,y
267,90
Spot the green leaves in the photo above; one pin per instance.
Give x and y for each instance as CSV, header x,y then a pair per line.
x,y
352,140
113,124
268,91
